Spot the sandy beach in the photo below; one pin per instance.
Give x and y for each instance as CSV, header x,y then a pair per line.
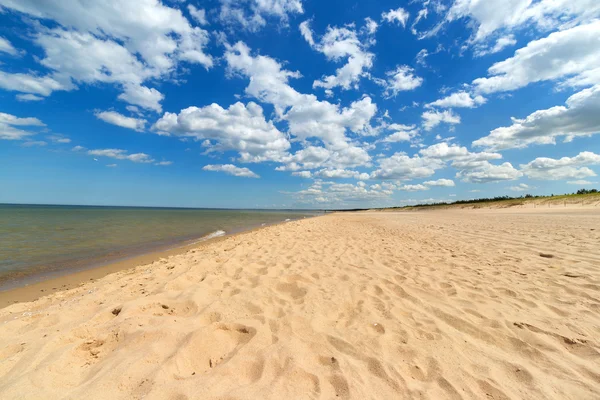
x,y
473,304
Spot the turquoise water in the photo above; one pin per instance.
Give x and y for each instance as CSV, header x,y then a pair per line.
x,y
38,240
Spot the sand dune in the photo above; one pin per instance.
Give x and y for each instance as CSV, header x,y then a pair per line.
x,y
496,304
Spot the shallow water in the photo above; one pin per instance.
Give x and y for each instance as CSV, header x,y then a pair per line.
x,y
36,240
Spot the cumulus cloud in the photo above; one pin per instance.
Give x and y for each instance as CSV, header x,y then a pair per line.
x,y
145,97
401,133
413,188
544,168
402,167
572,54
340,174
9,124
307,117
114,118
486,172
240,128
433,118
30,83
231,169
454,152
440,182
398,16
339,44
490,18
341,194
107,42
399,80
580,117
303,174
459,100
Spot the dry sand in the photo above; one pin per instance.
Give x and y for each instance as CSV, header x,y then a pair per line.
x,y
473,304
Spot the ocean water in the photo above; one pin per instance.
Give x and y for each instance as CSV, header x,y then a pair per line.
x,y
37,241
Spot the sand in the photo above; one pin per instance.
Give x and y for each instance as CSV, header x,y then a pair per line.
x,y
477,304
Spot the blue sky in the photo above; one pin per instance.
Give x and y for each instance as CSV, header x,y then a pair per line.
x,y
296,103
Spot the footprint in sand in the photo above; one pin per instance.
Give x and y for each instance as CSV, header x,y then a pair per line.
x,y
209,348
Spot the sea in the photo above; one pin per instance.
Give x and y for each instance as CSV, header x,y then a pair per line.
x,y
41,241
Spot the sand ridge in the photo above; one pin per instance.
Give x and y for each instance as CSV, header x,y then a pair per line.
x,y
424,305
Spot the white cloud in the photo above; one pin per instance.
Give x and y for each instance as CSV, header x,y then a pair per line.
x,y
307,33
16,121
148,98
251,14
440,182
339,44
307,117
402,167
199,15
399,80
7,47
571,53
9,122
114,118
108,42
398,16
303,174
431,119
28,83
60,139
119,155
491,17
371,26
111,165
580,117
240,128
413,188
340,174
502,43
486,172
581,182
521,187
312,157
231,169
446,152
421,57
459,100
341,194
544,168
28,97
472,167
163,163
401,133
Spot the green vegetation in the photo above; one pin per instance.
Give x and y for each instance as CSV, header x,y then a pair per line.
x,y
508,201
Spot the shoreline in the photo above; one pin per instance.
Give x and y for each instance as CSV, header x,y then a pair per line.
x,y
65,280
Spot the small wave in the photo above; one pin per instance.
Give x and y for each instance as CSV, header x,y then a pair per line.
x,y
287,220
214,235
